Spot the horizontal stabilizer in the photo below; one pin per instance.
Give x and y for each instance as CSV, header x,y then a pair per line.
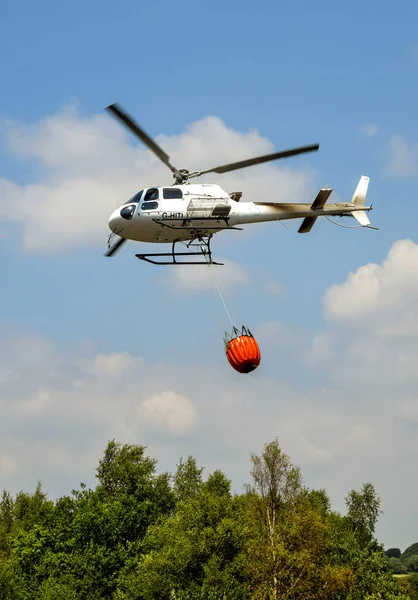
x,y
321,198
307,224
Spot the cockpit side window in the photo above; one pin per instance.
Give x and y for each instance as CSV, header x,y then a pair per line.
x,y
135,198
172,193
151,194
149,205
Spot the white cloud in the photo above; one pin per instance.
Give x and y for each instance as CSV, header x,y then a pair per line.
x,y
372,337
112,364
38,403
368,354
376,291
58,410
342,401
402,157
188,278
275,333
369,129
170,411
88,166
275,289
7,465
321,349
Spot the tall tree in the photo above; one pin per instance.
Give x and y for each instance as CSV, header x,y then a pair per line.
x,y
364,510
369,566
193,553
88,538
187,479
411,563
393,552
410,551
286,533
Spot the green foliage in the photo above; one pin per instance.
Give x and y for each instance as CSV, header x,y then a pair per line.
x,y
397,566
363,511
78,546
53,589
187,479
393,553
411,563
274,476
140,535
410,551
192,552
284,535
370,573
217,484
6,522
412,582
401,564
319,501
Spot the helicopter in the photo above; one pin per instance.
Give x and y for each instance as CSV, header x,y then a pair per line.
x,y
192,213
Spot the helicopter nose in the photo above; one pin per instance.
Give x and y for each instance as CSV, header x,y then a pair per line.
x,y
115,221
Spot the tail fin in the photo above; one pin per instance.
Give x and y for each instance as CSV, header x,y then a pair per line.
x,y
359,199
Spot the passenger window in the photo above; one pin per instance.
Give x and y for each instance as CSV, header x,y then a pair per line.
x,y
172,193
152,194
149,205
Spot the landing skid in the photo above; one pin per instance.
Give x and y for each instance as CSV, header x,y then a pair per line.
x,y
204,250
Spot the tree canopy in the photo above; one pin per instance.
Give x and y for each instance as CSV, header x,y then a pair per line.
x,y
144,535
393,552
403,563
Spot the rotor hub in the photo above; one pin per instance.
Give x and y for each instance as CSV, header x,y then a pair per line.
x,y
181,176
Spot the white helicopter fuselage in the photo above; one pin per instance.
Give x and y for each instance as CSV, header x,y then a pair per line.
x,y
174,213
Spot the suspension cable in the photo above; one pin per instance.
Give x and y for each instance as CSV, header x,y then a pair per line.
x,y
219,289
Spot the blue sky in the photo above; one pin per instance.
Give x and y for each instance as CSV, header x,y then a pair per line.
x,y
298,73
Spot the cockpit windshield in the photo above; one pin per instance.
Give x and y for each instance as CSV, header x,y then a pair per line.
x,y
135,198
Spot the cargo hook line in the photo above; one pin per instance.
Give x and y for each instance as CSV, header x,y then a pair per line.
x,y
218,287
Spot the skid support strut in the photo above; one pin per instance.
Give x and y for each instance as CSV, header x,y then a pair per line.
x,y
201,242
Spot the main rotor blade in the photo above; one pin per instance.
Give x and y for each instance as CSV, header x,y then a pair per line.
x,y
261,159
117,111
115,247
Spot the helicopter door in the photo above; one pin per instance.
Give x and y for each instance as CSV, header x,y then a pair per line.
x,y
150,204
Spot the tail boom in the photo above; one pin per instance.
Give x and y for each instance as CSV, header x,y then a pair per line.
x,y
310,212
